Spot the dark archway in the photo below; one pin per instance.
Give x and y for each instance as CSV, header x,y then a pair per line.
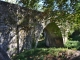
x,y
53,36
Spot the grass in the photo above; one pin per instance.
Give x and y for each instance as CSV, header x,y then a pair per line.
x,y
72,44
42,52
38,53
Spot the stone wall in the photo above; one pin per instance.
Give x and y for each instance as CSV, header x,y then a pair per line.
x,y
18,26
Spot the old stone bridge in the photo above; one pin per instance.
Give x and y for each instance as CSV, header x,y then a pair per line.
x,y
19,26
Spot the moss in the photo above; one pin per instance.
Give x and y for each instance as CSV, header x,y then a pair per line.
x,y
53,29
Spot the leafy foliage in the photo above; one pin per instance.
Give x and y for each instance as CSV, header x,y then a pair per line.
x,y
29,3
72,44
65,12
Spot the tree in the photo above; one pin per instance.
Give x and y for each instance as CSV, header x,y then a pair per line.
x,y
64,12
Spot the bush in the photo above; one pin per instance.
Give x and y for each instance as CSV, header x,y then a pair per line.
x,y
72,44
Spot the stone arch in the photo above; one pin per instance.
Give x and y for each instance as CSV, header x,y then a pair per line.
x,y
5,10
52,39
56,40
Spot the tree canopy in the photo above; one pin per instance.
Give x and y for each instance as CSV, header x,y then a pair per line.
x,y
66,13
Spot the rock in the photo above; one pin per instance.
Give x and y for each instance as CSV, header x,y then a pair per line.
x,y
53,37
3,54
12,16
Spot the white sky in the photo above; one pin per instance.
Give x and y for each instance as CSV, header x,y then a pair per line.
x,y
41,4
11,1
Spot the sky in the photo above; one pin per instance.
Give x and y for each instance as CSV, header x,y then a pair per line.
x,y
11,1
41,4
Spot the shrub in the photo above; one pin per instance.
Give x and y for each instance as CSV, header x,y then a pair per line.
x,y
72,44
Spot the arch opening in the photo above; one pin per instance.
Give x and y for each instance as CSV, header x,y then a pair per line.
x,y
52,35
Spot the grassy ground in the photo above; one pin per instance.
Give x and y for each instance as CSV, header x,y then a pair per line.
x,y
43,53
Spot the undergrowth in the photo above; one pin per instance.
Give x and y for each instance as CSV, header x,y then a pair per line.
x,y
39,53
42,52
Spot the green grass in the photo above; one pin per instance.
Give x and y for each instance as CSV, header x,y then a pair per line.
x,y
38,54
72,44
41,52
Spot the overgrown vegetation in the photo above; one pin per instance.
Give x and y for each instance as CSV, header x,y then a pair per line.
x,y
43,53
72,44
39,53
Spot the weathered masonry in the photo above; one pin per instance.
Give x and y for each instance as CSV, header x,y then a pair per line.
x,y
19,26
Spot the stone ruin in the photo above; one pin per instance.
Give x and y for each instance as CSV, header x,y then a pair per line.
x,y
16,27
24,24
